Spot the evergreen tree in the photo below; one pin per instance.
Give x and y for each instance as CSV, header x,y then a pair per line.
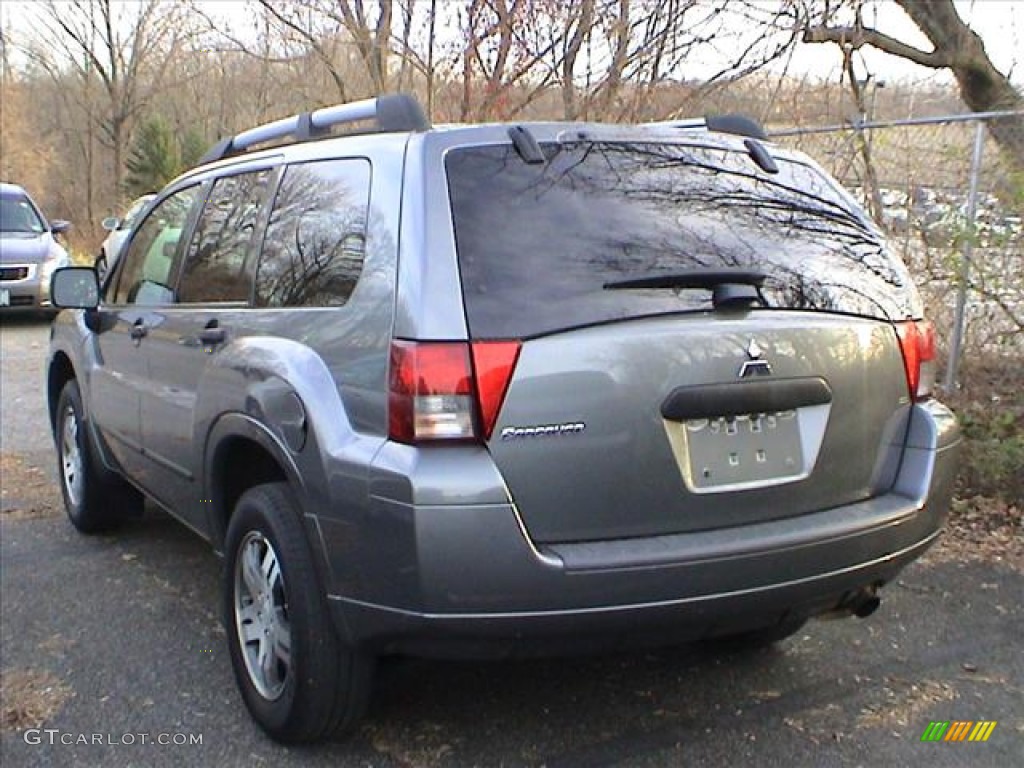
x,y
191,146
153,160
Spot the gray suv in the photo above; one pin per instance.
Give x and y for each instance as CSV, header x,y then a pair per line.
x,y
498,389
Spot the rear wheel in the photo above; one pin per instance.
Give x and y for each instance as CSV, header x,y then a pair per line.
x,y
299,680
95,500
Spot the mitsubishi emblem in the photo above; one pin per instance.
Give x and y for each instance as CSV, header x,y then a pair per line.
x,y
755,366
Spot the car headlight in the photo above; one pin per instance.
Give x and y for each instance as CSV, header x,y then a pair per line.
x,y
52,263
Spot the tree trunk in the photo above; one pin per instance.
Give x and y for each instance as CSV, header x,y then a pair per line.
x,y
982,87
583,16
957,48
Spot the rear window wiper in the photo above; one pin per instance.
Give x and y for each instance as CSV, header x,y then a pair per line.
x,y
730,288
692,278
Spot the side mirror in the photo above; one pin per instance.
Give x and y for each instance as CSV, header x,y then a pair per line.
x,y
110,223
75,288
59,226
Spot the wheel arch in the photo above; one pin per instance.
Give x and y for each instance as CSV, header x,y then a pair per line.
x,y
240,454
58,374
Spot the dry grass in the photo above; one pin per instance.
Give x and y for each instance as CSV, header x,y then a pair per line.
x,y
986,523
423,745
30,697
981,530
26,491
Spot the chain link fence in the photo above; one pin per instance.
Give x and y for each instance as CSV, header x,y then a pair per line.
x,y
952,202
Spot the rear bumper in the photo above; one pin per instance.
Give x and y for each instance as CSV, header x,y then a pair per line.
x,y
465,580
499,634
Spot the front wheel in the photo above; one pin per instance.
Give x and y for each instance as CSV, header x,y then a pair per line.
x,y
94,501
299,680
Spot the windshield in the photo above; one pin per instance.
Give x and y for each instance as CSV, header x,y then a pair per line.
x,y
537,244
133,213
17,214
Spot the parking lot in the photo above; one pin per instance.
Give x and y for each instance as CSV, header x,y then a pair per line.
x,y
113,643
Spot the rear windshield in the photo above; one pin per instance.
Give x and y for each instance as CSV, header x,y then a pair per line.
x,y
537,243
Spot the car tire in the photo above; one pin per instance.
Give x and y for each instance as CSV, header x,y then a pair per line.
x,y
300,681
95,500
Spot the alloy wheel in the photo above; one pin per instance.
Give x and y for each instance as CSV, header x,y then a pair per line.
x,y
261,615
72,470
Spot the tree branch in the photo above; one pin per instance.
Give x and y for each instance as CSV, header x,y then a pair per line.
x,y
857,37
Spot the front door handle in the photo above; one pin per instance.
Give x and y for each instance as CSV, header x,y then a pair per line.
x,y
212,334
139,330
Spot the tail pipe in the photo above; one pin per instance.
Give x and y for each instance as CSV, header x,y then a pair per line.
x,y
864,603
860,603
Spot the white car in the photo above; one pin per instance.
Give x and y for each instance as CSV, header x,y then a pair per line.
x,y
119,229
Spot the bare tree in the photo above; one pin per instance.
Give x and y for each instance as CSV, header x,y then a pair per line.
x,y
125,49
955,46
26,157
372,37
367,26
578,29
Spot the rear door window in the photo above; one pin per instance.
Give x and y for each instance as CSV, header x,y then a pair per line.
x,y
215,265
538,243
315,242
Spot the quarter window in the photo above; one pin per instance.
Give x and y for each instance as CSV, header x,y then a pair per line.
x,y
146,273
315,243
215,265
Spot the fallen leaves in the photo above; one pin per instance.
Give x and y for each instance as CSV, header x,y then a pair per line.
x,y
30,697
26,491
902,701
981,529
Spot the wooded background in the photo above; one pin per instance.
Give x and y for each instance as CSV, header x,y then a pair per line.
x,y
104,100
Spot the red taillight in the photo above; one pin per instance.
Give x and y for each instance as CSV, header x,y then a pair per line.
x,y
431,393
434,394
493,363
917,343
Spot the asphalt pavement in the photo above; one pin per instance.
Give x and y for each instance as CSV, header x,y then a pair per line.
x,y
125,631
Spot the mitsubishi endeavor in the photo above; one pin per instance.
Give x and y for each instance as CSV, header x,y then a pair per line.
x,y
482,390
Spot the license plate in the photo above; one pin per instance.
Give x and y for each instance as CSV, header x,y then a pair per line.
x,y
5,297
743,451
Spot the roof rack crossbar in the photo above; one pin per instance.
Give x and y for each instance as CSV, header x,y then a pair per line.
x,y
278,129
392,112
740,125
345,113
690,123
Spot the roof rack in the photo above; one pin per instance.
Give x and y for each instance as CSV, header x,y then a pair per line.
x,y
740,125
392,112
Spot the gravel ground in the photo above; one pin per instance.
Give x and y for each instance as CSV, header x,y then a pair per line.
x,y
117,639
22,356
